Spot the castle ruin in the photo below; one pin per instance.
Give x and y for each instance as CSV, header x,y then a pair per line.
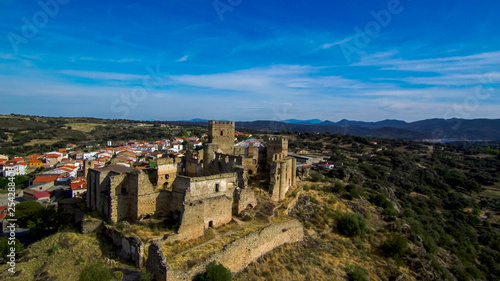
x,y
200,191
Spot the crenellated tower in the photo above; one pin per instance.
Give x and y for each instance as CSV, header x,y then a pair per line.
x,y
221,133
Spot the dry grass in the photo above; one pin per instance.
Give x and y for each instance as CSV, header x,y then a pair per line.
x,y
180,254
40,141
491,192
84,127
60,252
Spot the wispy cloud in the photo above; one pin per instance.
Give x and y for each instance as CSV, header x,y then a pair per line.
x,y
98,75
274,79
470,63
329,45
184,58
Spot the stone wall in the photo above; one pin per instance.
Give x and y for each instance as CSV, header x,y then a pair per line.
x,y
250,157
192,222
157,264
235,256
130,247
282,176
167,171
217,211
243,199
73,209
90,225
199,188
222,134
276,145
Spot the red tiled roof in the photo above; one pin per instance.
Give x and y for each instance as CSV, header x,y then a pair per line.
x,y
45,179
3,208
77,186
41,194
52,155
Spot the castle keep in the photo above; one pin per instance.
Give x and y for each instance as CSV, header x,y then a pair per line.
x,y
199,191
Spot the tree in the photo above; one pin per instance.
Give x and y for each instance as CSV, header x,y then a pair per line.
x,y
215,272
357,274
5,247
26,210
351,224
395,246
96,272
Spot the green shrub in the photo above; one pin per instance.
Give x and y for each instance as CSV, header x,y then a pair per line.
x,y
96,272
5,247
215,272
395,246
118,275
145,276
338,187
52,250
351,224
120,226
357,274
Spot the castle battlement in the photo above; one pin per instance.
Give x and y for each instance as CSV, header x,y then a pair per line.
x,y
215,122
277,140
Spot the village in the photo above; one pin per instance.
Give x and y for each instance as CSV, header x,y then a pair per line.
x,y
190,187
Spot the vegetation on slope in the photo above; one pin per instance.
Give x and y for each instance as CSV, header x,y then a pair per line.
x,y
424,205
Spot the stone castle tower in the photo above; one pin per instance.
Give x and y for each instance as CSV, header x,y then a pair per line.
x,y
276,145
221,133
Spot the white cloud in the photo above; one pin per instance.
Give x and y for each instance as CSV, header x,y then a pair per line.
x,y
329,45
184,58
98,75
483,62
270,80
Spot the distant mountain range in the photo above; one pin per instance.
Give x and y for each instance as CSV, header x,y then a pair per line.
x,y
442,129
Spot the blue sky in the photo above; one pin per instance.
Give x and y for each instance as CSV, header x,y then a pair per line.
x,y
251,60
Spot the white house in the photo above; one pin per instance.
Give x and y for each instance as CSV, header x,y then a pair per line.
x,y
18,169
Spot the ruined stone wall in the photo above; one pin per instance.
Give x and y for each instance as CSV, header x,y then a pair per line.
x,y
145,198
209,165
235,255
276,145
157,263
217,211
73,209
167,171
282,176
194,167
118,198
211,186
130,247
250,158
243,199
163,203
89,225
222,134
192,222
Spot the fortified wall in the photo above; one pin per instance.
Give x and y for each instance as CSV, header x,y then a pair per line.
x,y
235,256
221,133
114,191
282,176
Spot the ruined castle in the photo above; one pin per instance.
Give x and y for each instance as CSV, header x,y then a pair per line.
x,y
199,191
